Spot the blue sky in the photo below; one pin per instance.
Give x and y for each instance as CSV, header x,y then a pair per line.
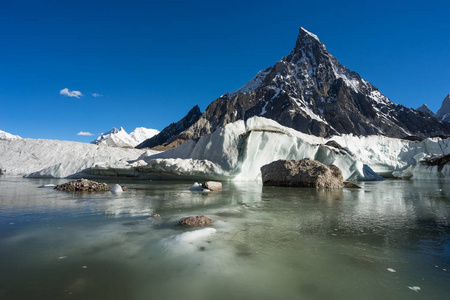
x,y
149,62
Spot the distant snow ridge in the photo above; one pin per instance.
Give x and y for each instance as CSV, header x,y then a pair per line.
x,y
120,138
8,136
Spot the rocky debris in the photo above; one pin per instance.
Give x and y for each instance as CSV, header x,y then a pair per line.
x,y
336,145
212,185
413,138
83,185
170,136
301,173
351,185
439,161
197,221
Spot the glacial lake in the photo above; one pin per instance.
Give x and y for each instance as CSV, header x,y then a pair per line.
x,y
388,240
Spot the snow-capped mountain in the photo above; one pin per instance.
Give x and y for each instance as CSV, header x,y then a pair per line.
x,y
8,136
120,138
443,113
141,134
425,108
310,91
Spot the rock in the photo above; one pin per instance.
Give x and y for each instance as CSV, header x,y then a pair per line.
x,y
197,221
301,173
351,185
156,216
116,189
83,185
1,172
212,185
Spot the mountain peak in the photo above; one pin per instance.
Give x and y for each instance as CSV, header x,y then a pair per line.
x,y
443,113
303,32
425,108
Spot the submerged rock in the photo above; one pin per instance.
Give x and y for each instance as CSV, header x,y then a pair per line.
x,y
351,185
212,185
197,221
83,185
301,173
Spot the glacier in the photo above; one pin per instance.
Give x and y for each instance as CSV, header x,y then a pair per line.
x,y
60,159
235,152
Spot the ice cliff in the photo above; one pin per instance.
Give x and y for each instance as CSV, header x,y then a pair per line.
x,y
51,158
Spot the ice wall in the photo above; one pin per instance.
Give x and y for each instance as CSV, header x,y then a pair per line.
x,y
51,158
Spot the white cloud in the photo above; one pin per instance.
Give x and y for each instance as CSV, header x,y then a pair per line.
x,y
84,133
66,92
96,95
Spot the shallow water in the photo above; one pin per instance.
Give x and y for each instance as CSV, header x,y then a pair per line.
x,y
380,242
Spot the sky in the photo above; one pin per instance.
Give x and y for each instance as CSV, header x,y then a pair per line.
x,y
83,67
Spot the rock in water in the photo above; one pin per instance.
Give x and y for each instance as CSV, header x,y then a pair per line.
x,y
212,185
301,173
351,185
83,185
197,221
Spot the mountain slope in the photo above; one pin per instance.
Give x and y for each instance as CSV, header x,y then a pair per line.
x,y
310,91
171,137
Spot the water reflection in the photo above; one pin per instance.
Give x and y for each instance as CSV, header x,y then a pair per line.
x,y
267,242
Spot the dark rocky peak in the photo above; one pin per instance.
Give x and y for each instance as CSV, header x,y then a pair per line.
x,y
169,134
310,91
426,109
443,113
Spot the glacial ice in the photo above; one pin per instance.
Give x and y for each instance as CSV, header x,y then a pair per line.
x,y
235,152
51,158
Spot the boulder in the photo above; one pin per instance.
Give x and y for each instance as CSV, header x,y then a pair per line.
x,y
351,185
83,185
197,221
301,173
212,185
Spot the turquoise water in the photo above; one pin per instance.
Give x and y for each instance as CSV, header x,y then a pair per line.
x,y
268,242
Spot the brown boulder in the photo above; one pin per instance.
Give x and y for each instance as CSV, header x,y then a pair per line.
x,y
351,185
212,185
197,221
301,173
